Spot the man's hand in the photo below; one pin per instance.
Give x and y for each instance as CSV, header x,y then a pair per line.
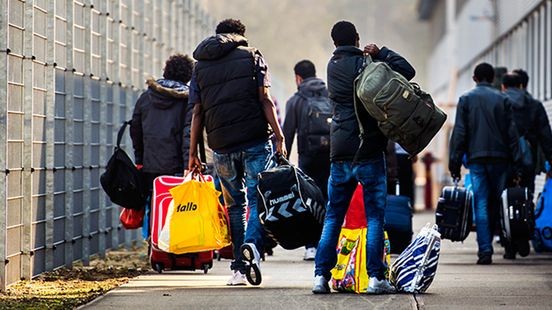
x,y
371,49
194,163
281,146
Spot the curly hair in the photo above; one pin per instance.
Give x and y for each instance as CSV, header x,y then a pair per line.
x,y
179,68
231,26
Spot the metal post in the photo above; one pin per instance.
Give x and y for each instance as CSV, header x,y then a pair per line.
x,y
3,140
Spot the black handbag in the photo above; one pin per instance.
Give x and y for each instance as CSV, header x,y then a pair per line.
x,y
122,181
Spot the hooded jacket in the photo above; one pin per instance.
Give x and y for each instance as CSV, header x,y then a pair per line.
x,y
531,121
343,68
226,75
484,129
159,130
296,109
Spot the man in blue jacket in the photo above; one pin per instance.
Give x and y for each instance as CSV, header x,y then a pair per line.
x,y
485,132
353,162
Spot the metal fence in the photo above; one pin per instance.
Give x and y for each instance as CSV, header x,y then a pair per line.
x,y
70,72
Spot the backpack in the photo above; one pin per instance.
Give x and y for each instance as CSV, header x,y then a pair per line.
x,y
122,181
405,114
316,119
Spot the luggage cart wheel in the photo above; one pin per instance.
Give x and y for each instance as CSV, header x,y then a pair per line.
x,y
205,268
159,267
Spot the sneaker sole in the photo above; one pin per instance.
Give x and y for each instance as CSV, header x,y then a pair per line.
x,y
319,292
253,274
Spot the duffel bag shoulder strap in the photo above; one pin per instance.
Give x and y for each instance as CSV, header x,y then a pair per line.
x,y
122,132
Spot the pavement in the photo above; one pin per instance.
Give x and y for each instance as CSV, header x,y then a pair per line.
x,y
524,283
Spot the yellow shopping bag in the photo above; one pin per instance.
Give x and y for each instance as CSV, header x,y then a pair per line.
x,y
195,220
350,273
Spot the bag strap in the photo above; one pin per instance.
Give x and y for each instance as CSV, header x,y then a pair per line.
x,y
122,132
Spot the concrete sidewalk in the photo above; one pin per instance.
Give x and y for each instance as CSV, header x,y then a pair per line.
x,y
287,280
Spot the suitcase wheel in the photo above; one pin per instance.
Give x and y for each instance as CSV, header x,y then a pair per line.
x,y
206,268
218,256
159,267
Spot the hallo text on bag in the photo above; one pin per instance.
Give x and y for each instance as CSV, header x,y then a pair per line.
x,y
190,206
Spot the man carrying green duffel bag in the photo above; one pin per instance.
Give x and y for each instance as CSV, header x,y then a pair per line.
x,y
405,113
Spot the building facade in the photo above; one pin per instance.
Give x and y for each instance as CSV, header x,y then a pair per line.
x,y
505,33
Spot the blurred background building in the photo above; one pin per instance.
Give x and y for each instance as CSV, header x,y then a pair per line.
x,y
70,72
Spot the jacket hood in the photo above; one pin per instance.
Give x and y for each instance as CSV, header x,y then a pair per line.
x,y
164,93
516,97
312,85
218,46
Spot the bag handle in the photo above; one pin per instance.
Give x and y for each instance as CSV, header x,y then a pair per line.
x,y
275,160
122,132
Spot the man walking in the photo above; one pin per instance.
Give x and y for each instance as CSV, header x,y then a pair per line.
x,y
158,128
308,113
353,162
229,90
485,132
532,124
538,127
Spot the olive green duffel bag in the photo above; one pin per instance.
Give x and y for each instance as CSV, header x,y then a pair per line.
x,y
405,113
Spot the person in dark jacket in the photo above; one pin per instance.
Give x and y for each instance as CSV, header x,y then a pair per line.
x,y
230,93
314,155
352,163
158,130
485,132
532,124
539,133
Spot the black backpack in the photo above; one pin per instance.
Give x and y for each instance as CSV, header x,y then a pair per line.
x,y
315,123
122,181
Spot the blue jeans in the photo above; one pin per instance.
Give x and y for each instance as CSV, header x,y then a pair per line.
x,y
489,180
344,176
237,172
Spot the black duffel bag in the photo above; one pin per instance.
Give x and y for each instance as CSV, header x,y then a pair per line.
x,y
122,181
291,206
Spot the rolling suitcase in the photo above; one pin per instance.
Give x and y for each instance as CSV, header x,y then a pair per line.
x,y
454,213
398,221
542,238
516,214
160,260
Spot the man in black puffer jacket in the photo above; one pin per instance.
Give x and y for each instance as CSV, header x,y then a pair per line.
x,y
158,129
229,91
351,162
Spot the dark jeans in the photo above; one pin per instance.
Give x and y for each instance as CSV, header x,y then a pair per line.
x,y
318,168
489,180
237,172
344,176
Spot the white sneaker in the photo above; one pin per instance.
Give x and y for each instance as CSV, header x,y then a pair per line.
x,y
380,287
310,254
237,278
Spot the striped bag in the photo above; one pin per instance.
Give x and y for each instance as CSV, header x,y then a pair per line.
x,y
414,270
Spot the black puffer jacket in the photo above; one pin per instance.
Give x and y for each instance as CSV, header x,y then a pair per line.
x,y
159,133
226,75
343,68
296,109
484,129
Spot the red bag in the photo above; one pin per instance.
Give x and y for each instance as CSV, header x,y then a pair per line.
x,y
356,217
132,219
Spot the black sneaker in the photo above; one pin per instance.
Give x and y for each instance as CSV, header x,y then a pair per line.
x,y
509,252
485,260
253,267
